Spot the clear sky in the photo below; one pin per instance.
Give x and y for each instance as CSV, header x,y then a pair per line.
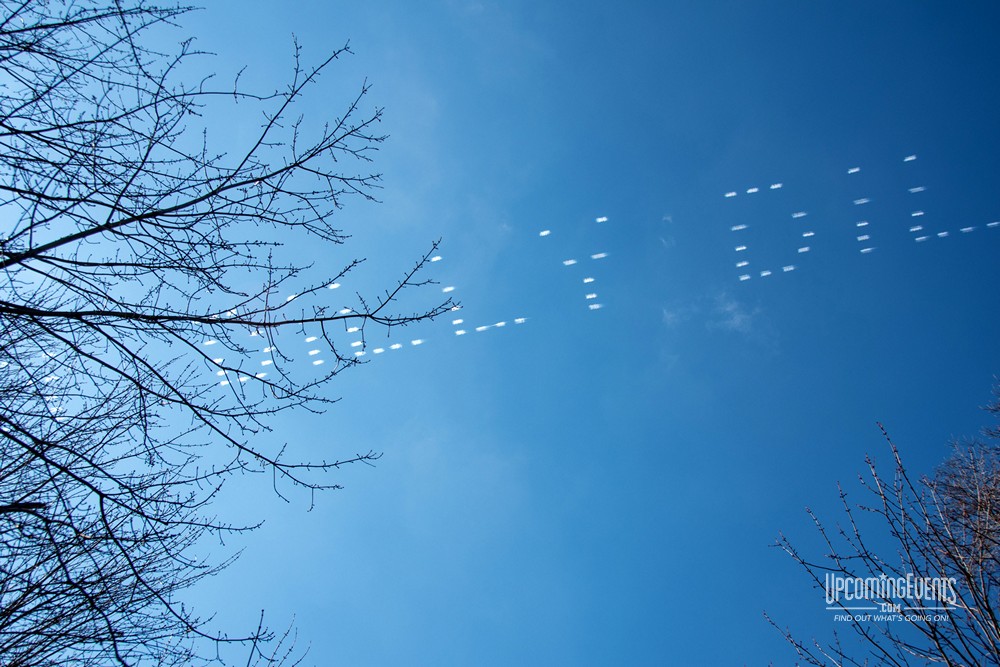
x,y
601,486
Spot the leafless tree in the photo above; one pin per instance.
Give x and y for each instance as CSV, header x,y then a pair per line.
x,y
945,529
127,244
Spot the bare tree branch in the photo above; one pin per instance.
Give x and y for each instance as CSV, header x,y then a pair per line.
x,y
940,529
127,244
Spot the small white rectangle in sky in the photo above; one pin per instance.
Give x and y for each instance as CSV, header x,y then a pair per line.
x,y
745,276
359,353
863,223
736,228
500,324
864,237
920,239
806,235
917,189
592,295
804,249
853,170
210,342
740,248
318,362
751,191
588,280
417,341
790,267
599,255
740,265
313,353
545,232
993,224
378,350
942,234
333,286
436,258
458,321
352,329
966,230
603,218
909,158
765,273
520,320
863,200
395,346
569,262
595,306
916,214
310,339
776,186
459,332
449,288
730,194
344,311
865,251
481,329
916,228
356,343
799,214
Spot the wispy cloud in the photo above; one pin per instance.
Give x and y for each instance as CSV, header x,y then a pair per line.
x,y
723,311
673,316
731,315
666,238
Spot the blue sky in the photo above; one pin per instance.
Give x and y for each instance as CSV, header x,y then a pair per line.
x,y
599,487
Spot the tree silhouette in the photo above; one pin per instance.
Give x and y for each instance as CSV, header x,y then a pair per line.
x,y
943,529
127,244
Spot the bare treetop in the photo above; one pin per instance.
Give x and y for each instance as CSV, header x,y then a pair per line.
x,y
921,562
126,241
